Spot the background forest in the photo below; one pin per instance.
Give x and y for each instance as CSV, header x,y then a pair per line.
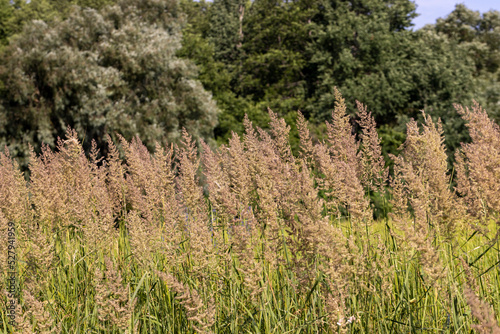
x,y
153,67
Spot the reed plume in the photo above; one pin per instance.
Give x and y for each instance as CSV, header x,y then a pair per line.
x,y
306,144
481,310
114,307
14,195
374,174
195,216
220,185
421,186
115,180
477,163
254,238
154,211
337,161
199,312
35,317
68,191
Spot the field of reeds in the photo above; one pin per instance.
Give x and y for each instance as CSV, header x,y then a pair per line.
x,y
251,238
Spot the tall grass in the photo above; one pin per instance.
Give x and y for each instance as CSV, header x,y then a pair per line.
x,y
250,238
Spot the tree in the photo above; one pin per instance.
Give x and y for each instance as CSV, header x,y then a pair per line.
x,y
217,70
263,51
274,69
360,46
226,29
367,50
479,34
6,12
107,71
15,14
293,53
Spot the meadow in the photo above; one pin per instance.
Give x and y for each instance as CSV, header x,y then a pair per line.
x,y
252,238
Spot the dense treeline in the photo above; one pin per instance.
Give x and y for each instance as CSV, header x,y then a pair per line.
x,y
290,55
267,241
109,71
135,67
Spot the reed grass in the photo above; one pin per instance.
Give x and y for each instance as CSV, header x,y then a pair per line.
x,y
249,238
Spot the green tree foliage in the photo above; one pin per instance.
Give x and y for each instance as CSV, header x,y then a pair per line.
x,y
258,57
274,71
362,47
114,70
367,49
217,69
289,55
481,31
22,12
15,14
6,12
226,29
251,55
479,34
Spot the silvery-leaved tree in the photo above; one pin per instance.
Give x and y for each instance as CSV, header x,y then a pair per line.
x,y
113,70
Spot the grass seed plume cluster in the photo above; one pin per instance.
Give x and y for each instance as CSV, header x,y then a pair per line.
x,y
251,237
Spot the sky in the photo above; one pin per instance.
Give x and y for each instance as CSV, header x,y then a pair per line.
x,y
430,10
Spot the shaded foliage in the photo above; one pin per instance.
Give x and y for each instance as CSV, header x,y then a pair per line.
x,y
289,55
107,71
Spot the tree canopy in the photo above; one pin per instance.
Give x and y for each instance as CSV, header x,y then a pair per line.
x,y
289,55
113,70
152,67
